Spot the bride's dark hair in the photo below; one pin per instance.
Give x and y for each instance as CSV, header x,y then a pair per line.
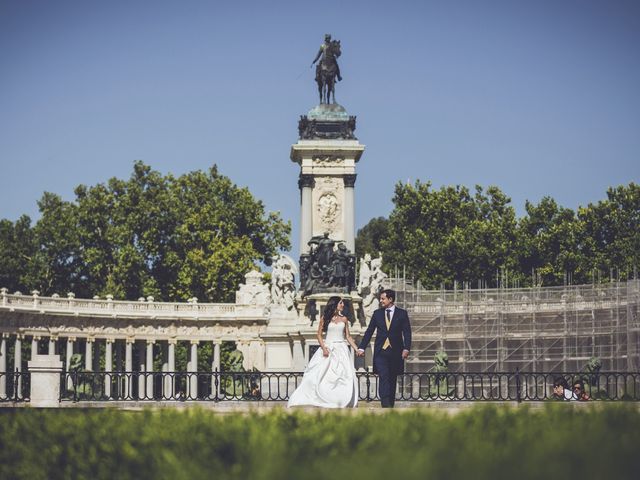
x,y
329,311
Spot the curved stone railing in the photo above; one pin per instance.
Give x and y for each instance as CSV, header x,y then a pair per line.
x,y
523,300
125,309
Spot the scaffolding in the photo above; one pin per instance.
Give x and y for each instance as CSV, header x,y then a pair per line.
x,y
539,329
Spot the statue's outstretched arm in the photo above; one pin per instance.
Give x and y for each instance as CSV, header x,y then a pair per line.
x,y
317,56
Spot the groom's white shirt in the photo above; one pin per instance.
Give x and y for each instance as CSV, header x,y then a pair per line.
x,y
393,310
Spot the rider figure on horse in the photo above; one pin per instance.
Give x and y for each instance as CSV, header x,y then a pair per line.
x,y
327,69
328,56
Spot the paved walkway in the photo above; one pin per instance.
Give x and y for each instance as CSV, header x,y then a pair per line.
x,y
448,407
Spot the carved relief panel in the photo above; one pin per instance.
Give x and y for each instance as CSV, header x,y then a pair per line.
x,y
328,161
328,201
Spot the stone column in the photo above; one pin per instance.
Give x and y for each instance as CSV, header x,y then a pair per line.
x,y
52,345
150,368
128,367
142,381
108,366
306,183
215,368
349,212
119,369
169,380
88,355
215,364
3,366
172,356
34,346
164,346
192,367
45,381
17,361
70,341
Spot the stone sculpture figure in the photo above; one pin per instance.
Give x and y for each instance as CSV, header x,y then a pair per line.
x,y
81,383
253,291
441,388
324,250
325,269
370,283
364,274
283,288
340,266
327,69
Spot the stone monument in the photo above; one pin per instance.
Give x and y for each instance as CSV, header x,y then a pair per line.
x,y
327,152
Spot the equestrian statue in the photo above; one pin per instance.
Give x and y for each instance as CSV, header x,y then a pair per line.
x,y
327,69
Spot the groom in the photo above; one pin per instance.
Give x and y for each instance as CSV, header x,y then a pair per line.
x,y
393,341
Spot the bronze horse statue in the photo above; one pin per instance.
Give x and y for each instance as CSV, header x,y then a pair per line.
x,y
327,70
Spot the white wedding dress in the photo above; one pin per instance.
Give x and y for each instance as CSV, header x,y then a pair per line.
x,y
329,382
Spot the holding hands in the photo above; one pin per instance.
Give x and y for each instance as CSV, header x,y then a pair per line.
x,y
360,353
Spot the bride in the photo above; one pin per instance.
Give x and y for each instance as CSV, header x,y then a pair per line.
x,y
330,378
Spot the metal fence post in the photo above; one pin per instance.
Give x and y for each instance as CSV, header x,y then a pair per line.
x,y
518,396
75,385
16,385
216,380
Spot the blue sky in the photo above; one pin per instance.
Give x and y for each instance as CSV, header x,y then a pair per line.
x,y
539,98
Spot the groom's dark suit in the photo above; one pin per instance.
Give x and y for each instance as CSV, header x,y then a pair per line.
x,y
388,363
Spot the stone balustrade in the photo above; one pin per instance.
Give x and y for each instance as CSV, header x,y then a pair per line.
x,y
125,309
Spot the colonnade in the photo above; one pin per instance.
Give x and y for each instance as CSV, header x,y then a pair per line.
x,y
120,350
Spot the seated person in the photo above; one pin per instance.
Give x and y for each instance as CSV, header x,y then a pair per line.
x,y
561,389
579,391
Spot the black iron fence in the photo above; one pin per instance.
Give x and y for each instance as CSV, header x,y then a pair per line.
x,y
15,386
278,386
516,386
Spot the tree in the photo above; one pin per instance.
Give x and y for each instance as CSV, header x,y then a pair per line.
x,y
550,243
445,235
449,234
54,264
611,232
165,236
17,249
370,236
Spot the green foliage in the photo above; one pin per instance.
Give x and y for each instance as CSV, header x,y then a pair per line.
x,y
611,239
165,236
450,234
483,442
17,250
370,236
550,238
81,384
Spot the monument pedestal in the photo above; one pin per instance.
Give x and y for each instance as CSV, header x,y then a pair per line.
x,y
353,308
327,153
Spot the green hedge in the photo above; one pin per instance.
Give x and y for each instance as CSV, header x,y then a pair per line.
x,y
484,442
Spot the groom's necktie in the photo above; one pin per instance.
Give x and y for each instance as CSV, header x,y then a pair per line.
x,y
387,317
